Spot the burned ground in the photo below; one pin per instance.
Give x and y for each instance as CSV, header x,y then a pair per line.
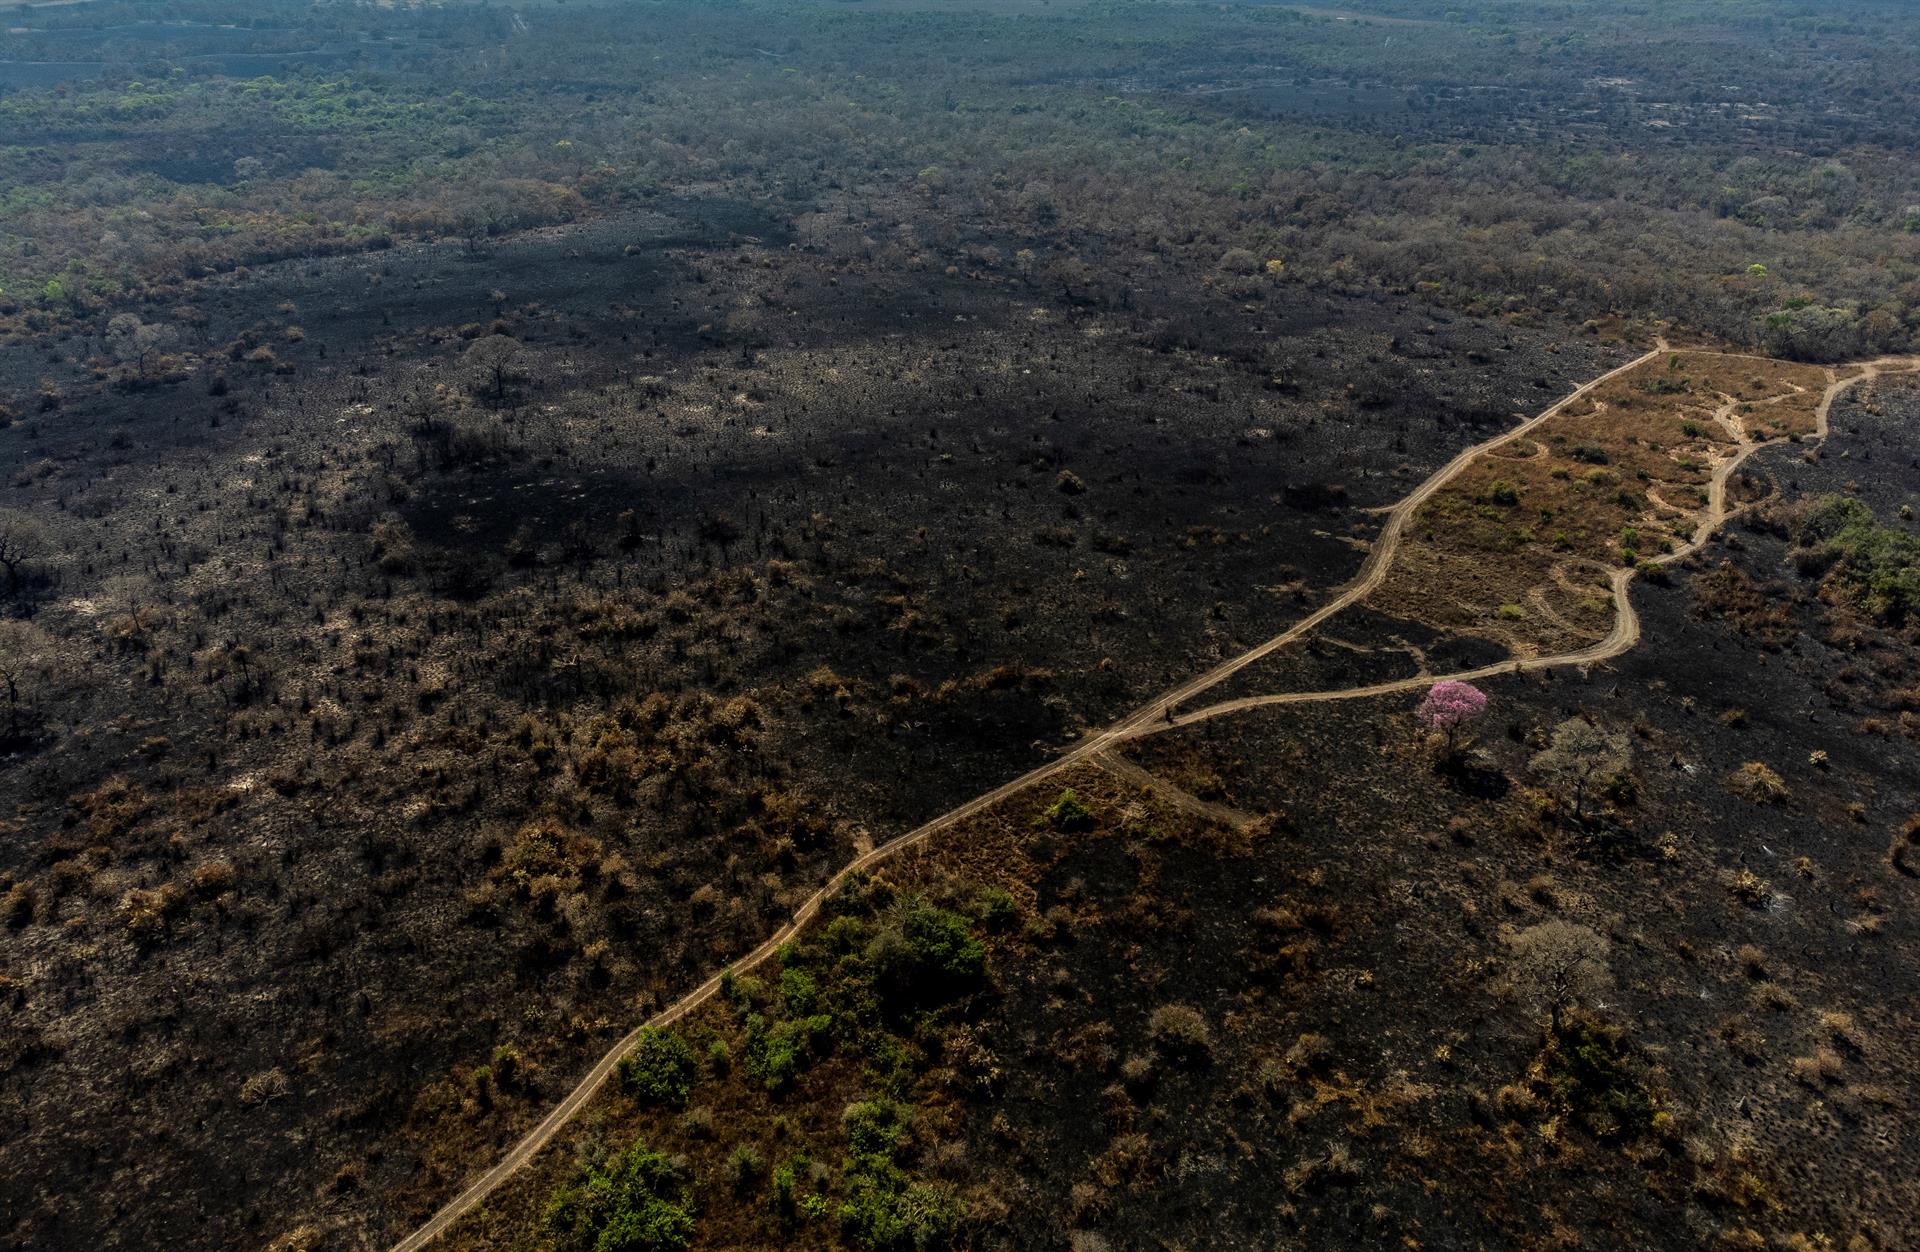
x,y
499,703
493,516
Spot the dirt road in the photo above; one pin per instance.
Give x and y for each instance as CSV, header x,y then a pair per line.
x,y
1161,714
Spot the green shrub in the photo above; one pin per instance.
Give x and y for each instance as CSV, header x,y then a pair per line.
x,y
845,934
634,1203
883,1208
744,993
1067,813
860,893
997,909
923,955
659,1070
777,1052
1503,493
781,1194
799,995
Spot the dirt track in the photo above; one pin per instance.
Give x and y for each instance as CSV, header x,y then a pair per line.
x,y
1160,714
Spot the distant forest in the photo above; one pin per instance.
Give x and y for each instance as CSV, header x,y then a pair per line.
x,y
1743,170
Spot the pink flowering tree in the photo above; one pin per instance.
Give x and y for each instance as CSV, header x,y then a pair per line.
x,y
1449,705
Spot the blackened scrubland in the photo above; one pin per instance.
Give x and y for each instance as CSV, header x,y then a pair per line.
x,y
495,506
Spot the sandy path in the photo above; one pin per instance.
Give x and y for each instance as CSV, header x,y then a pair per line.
x,y
1158,715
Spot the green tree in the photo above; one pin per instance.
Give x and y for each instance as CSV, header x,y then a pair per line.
x,y
635,1202
660,1068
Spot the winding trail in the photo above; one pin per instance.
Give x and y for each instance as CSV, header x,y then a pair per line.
x,y
1626,623
1159,714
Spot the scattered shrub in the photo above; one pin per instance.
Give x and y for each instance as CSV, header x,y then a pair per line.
x,y
744,1167
1180,1030
1757,783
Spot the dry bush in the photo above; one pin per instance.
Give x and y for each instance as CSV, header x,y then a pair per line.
x,y
1821,1069
264,1086
1757,783
1749,889
1517,1102
1309,1053
1181,1030
1844,1031
1903,854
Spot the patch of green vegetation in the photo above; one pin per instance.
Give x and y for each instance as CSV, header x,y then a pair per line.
x,y
635,1202
887,968
883,1208
1067,813
778,1050
1590,1073
881,959
1879,565
659,1070
923,955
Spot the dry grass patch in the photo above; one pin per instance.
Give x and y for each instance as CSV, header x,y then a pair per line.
x,y
1516,548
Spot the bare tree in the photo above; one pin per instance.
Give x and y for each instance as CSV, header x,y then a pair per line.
x,y
1580,753
26,661
22,539
494,363
136,342
1558,965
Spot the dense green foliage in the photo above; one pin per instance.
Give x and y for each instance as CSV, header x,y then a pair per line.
x,y
883,1209
1879,565
635,1202
659,1070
